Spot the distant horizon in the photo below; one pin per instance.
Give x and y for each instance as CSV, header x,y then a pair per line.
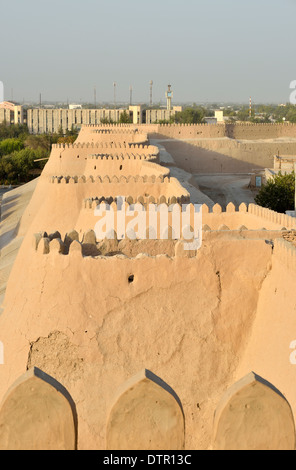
x,y
162,103
146,103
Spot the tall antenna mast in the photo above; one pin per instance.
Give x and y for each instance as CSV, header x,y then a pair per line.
x,y
114,85
131,95
151,85
250,108
95,97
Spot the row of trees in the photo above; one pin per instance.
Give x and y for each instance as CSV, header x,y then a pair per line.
x,y
192,115
259,113
262,113
123,119
23,155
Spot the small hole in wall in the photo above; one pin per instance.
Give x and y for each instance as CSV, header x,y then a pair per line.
x,y
131,278
120,167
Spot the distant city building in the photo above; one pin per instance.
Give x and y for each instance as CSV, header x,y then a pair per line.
x,y
41,120
52,120
75,106
219,117
11,113
284,164
161,114
136,114
49,119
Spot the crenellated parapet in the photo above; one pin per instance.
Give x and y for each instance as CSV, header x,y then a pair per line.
x,y
127,247
112,128
110,179
191,126
107,145
124,156
236,124
144,201
237,130
252,216
278,218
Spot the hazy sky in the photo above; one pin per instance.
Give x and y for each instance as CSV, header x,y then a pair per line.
x,y
211,50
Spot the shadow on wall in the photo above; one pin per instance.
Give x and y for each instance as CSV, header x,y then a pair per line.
x,y
38,413
194,159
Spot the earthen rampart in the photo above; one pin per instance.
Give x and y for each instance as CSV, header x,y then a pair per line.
x,y
129,313
240,131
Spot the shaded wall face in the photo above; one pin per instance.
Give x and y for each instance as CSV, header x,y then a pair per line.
x,y
271,349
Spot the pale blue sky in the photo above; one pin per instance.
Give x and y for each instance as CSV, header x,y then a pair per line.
x,y
211,50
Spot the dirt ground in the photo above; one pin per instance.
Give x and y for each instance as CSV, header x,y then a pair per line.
x,y
222,188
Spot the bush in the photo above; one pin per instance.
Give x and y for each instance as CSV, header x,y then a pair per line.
x,y
19,150
17,166
12,131
278,194
8,146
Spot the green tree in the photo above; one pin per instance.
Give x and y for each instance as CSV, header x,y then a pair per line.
x,y
12,131
68,139
278,194
8,146
17,167
107,121
73,132
125,118
38,142
244,114
190,116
